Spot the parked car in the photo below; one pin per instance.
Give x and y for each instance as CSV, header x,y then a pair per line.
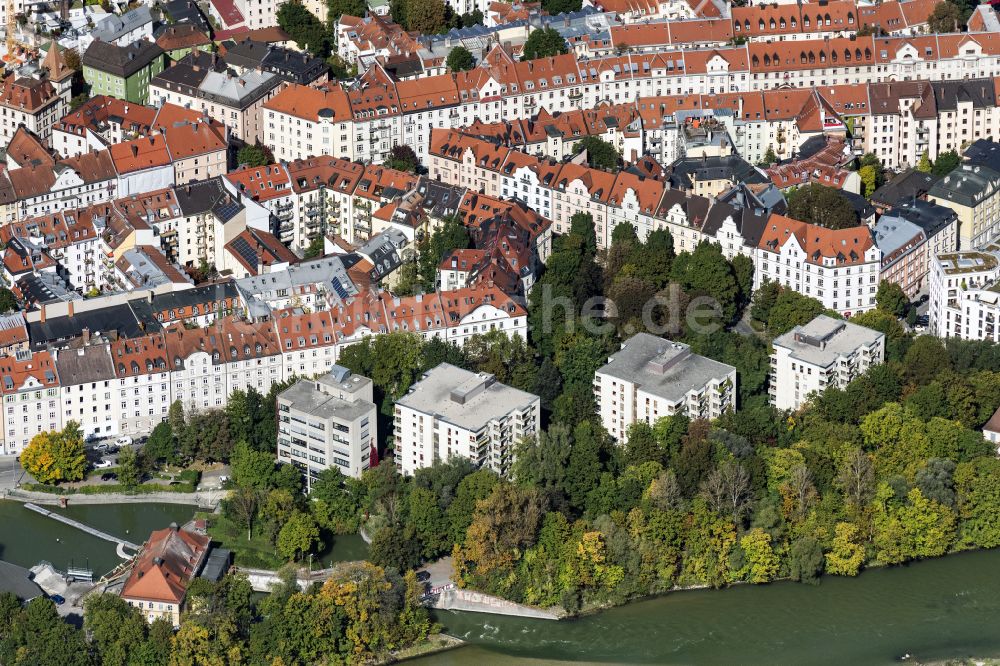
x,y
109,476
423,576
124,440
58,599
103,464
101,446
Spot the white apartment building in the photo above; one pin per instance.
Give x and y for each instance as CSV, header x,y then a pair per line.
x,y
207,365
825,352
652,377
965,295
330,421
142,385
30,398
839,268
454,412
88,383
380,114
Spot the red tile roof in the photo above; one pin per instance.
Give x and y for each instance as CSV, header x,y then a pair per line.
x,y
846,246
170,558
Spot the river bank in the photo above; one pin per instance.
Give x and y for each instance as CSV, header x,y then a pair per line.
x,y
28,537
205,499
435,644
938,611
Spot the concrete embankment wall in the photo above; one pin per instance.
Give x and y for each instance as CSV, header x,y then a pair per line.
x,y
477,602
203,500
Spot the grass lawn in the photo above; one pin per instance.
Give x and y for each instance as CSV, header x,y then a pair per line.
x,y
257,553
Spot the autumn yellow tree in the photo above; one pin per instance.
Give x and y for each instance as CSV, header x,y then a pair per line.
x,y
56,455
380,617
847,554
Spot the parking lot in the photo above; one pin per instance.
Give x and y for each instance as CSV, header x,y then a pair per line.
x,y
104,452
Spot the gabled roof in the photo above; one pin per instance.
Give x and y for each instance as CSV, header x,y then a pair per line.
x,y
170,558
182,36
254,248
26,94
123,61
139,154
845,247
26,148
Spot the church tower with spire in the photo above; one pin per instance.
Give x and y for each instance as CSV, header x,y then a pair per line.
x,y
60,74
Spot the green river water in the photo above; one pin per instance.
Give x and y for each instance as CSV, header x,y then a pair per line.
x,y
932,610
27,537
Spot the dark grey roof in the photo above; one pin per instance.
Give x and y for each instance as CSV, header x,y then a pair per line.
x,y
930,217
985,153
121,61
439,199
684,171
18,580
91,363
907,185
862,206
383,254
400,67
292,66
185,298
186,11
217,564
55,331
750,222
810,147
42,288
199,197
181,74
768,200
247,53
966,185
694,207
949,94
190,71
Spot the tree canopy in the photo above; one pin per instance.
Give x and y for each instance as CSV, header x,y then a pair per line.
x,y
822,205
302,26
945,17
403,158
460,60
946,162
542,43
254,156
600,153
57,455
891,298
8,302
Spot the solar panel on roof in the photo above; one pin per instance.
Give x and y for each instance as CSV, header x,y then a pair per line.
x,y
227,211
243,249
339,288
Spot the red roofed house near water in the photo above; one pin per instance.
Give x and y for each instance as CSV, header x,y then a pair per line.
x,y
169,560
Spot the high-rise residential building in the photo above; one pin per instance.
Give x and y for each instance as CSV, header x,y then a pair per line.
x,y
825,352
965,295
452,412
652,377
327,422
